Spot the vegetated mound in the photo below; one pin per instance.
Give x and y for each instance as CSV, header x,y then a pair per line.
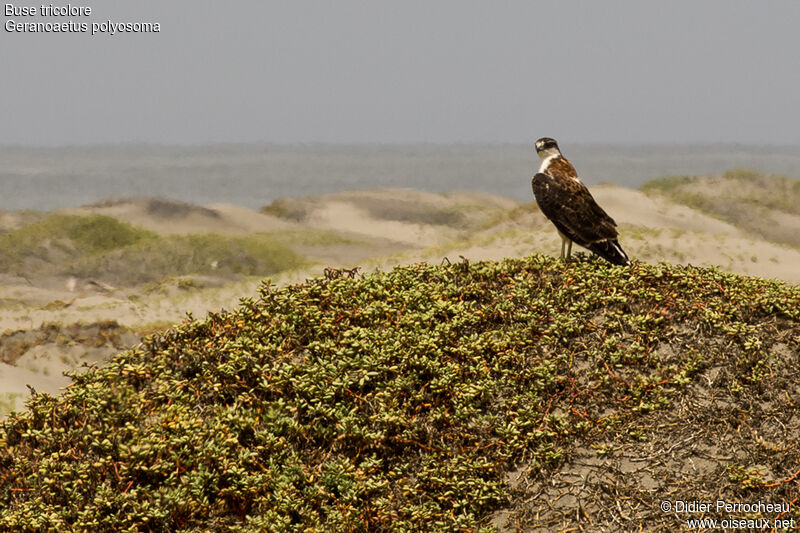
x,y
530,393
101,247
62,238
768,206
177,255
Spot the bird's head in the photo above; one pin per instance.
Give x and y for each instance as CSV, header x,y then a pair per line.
x,y
545,147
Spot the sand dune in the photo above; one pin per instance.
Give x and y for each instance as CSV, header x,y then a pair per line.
x,y
652,229
345,217
636,208
171,217
370,229
405,216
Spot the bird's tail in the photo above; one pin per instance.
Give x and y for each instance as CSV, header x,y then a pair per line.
x,y
611,251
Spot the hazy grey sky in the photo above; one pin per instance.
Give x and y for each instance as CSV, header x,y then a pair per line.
x,y
410,71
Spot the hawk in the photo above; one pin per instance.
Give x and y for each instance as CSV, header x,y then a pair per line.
x,y
568,204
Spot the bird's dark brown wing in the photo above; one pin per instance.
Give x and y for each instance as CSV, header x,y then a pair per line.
x,y
569,205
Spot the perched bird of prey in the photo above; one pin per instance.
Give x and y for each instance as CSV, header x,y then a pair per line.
x,y
568,204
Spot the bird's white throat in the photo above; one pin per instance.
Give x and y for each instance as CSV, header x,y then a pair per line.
x,y
548,156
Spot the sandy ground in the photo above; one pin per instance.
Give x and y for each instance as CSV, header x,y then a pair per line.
x,y
385,228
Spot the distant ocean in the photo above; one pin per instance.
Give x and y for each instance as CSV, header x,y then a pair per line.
x,y
255,175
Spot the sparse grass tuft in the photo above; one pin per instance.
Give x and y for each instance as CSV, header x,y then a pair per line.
x,y
764,205
287,209
667,184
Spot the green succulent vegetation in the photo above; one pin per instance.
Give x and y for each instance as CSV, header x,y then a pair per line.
x,y
397,401
103,247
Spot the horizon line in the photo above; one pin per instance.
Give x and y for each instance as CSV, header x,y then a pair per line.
x,y
312,144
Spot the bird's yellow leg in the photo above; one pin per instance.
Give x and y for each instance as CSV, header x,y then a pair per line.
x,y
566,246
